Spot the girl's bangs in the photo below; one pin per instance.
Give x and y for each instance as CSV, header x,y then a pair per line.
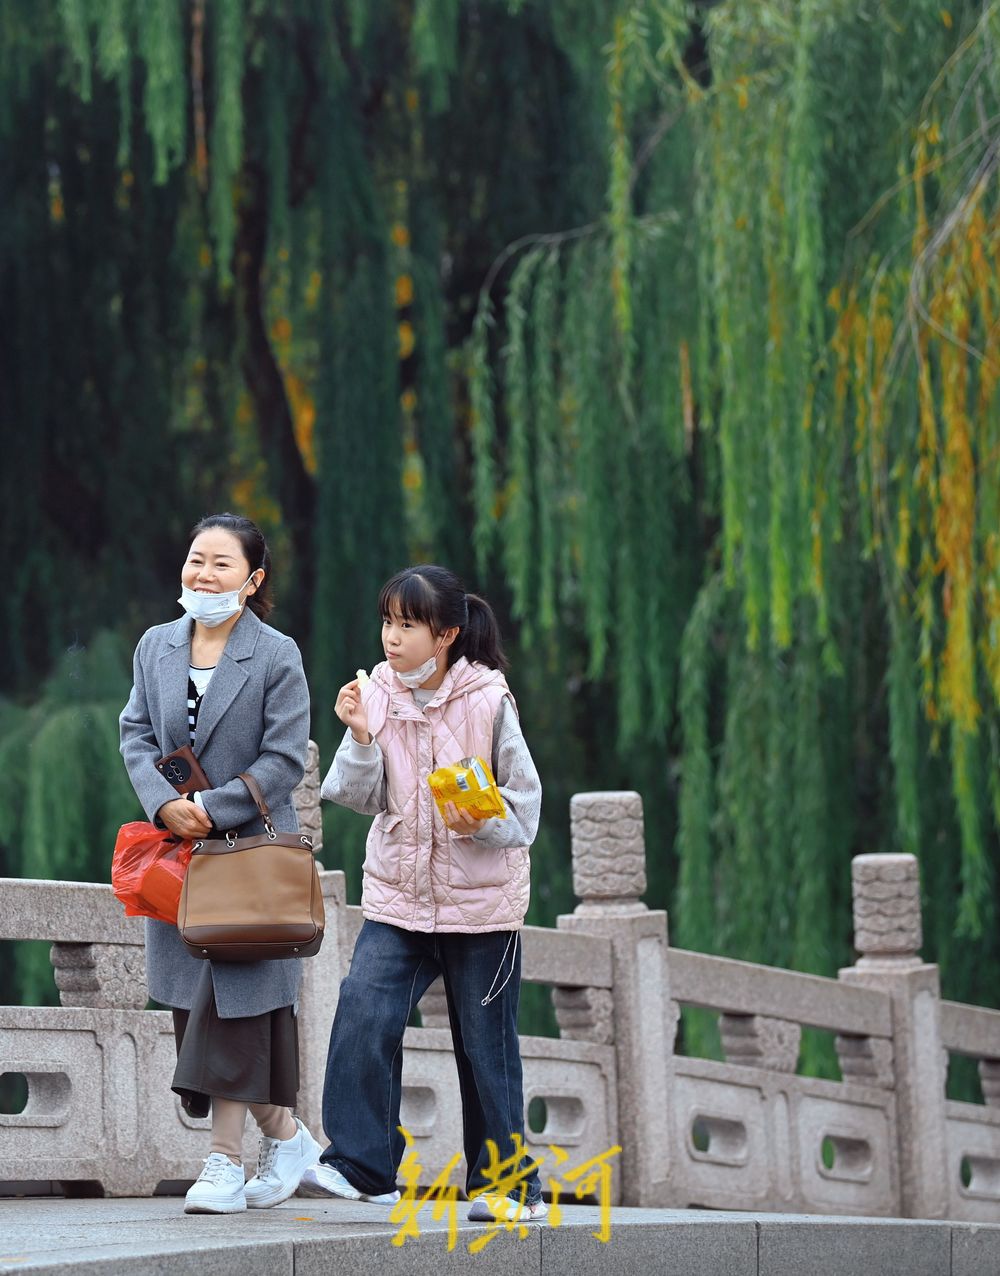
x,y
411,597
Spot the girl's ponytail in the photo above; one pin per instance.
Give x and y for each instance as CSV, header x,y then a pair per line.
x,y
479,639
435,596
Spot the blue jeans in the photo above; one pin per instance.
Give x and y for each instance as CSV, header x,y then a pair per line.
x,y
390,971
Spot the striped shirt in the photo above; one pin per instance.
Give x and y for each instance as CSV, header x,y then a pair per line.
x,y
198,680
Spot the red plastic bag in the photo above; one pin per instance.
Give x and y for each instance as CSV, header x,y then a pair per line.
x,y
147,870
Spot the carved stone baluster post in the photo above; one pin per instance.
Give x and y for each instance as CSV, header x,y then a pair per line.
x,y
101,976
609,875
989,1079
305,796
434,1006
322,974
758,1041
887,934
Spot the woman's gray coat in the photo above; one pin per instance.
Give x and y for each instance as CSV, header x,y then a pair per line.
x,y
254,717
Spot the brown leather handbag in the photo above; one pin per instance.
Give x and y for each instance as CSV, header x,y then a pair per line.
x,y
252,898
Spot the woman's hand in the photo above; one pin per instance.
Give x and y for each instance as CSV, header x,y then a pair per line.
x,y
352,712
185,818
461,820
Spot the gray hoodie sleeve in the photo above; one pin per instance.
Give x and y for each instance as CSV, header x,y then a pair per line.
x,y
356,778
519,786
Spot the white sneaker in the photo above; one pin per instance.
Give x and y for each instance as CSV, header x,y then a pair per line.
x,y
323,1180
218,1189
503,1209
280,1163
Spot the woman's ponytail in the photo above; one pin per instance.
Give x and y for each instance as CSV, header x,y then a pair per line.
x,y
479,639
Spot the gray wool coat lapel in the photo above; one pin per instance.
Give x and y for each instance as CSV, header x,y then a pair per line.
x,y
175,659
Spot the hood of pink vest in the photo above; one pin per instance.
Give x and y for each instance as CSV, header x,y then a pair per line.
x,y
463,677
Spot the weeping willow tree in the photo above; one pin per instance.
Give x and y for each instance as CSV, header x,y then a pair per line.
x,y
252,232
742,431
670,324
239,251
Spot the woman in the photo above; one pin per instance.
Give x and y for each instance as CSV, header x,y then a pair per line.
x,y
233,688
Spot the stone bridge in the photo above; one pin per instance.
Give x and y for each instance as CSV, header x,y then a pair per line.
x,y
747,1134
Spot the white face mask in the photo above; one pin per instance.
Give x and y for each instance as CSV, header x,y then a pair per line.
x,y
212,609
413,678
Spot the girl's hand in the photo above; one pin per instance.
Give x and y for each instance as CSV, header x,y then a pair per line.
x,y
352,712
461,820
185,818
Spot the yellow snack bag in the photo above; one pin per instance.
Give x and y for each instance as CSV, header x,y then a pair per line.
x,y
469,784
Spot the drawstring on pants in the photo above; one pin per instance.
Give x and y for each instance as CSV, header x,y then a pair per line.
x,y
491,995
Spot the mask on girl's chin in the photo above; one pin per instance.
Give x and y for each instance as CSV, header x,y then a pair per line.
x,y
413,678
212,609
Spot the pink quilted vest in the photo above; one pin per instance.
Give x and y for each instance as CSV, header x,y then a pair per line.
x,y
417,874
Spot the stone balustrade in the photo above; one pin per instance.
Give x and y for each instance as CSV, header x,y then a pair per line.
x,y
747,1132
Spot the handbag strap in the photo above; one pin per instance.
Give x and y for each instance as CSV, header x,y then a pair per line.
x,y
258,797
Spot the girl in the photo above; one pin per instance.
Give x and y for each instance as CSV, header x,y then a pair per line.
x,y
232,687
439,898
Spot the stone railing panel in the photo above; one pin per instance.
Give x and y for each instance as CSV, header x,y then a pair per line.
x,y
99,1105
575,1081
753,1139
970,1030
972,1140
744,988
65,913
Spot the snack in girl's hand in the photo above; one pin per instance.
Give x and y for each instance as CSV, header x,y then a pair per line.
x,y
469,784
362,677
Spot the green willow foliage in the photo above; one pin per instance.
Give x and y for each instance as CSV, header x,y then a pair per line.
x,y
241,247
779,256
63,790
670,324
